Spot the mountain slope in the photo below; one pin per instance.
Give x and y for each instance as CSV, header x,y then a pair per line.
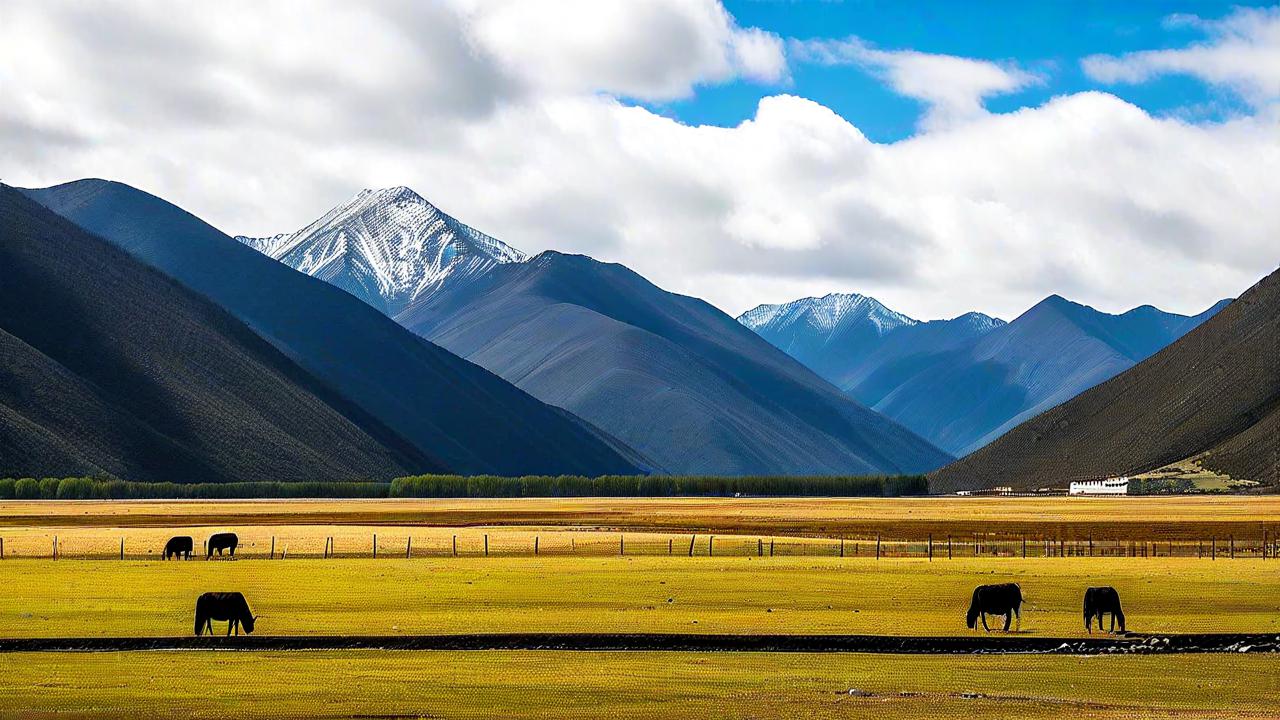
x,y
1215,391
387,247
669,375
969,395
961,383
471,420
829,334
109,367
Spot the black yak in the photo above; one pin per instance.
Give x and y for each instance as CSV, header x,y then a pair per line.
x,y
1101,600
230,607
179,547
222,541
1005,599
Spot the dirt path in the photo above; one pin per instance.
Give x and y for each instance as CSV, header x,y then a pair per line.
x,y
977,644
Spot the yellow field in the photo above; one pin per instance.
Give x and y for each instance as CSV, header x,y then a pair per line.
x,y
773,514
44,598
578,583
674,686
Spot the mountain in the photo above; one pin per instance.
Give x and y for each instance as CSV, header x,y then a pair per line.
x,y
827,334
1213,395
470,420
961,383
109,367
388,247
669,375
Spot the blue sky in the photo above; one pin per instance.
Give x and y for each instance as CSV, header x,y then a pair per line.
x,y
1046,38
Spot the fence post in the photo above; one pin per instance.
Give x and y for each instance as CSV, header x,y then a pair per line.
x,y
455,546
841,547
1233,546
1090,546
121,548
930,547
1,548
486,544
535,544
692,540
877,546
1024,547
55,547
948,547
770,548
1213,548
408,548
375,545
622,544
759,547
975,544
273,547
671,545
711,546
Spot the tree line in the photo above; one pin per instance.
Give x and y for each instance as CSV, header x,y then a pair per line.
x,y
475,486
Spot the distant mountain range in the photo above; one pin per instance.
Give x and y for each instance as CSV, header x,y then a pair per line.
x,y
109,367
670,376
1213,396
462,416
961,383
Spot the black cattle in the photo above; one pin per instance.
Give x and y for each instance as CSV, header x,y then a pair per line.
x,y
1101,600
222,541
1004,599
229,607
179,547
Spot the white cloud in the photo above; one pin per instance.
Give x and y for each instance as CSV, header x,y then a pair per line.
x,y
261,123
1242,52
953,87
650,50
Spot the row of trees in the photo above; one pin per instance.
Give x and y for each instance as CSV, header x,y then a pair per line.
x,y
478,486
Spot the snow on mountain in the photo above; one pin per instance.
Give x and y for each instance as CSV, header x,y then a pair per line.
x,y
389,247
824,317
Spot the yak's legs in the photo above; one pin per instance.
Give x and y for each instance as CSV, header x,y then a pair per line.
x,y
984,623
1008,620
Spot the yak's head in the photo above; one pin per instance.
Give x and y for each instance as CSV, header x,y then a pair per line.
x,y
972,618
248,622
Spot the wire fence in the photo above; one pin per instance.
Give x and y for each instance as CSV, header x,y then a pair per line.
x,y
435,544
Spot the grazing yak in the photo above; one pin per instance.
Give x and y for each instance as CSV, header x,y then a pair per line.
x,y
229,607
222,541
179,547
1097,602
1005,599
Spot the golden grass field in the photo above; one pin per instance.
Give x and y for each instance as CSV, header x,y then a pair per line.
x,y
579,584
72,598
640,686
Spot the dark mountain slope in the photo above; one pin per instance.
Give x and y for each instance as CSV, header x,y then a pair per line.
x,y
109,367
669,375
473,421
1215,392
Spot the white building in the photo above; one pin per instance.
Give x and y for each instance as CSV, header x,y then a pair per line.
x,y
1110,486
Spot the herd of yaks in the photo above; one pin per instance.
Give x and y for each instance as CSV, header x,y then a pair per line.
x,y
1003,599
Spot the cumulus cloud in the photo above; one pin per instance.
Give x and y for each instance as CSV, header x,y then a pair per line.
x,y
1242,52
953,87
650,50
260,117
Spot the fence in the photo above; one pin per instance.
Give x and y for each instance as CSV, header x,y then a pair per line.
x,y
435,544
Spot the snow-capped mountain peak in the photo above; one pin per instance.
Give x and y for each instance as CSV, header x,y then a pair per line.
x,y
826,313
389,247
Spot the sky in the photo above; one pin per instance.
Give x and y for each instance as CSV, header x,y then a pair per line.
x,y
942,157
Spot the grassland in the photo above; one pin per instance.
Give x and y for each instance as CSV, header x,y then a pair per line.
x,y
1146,518
630,594
379,684
579,584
